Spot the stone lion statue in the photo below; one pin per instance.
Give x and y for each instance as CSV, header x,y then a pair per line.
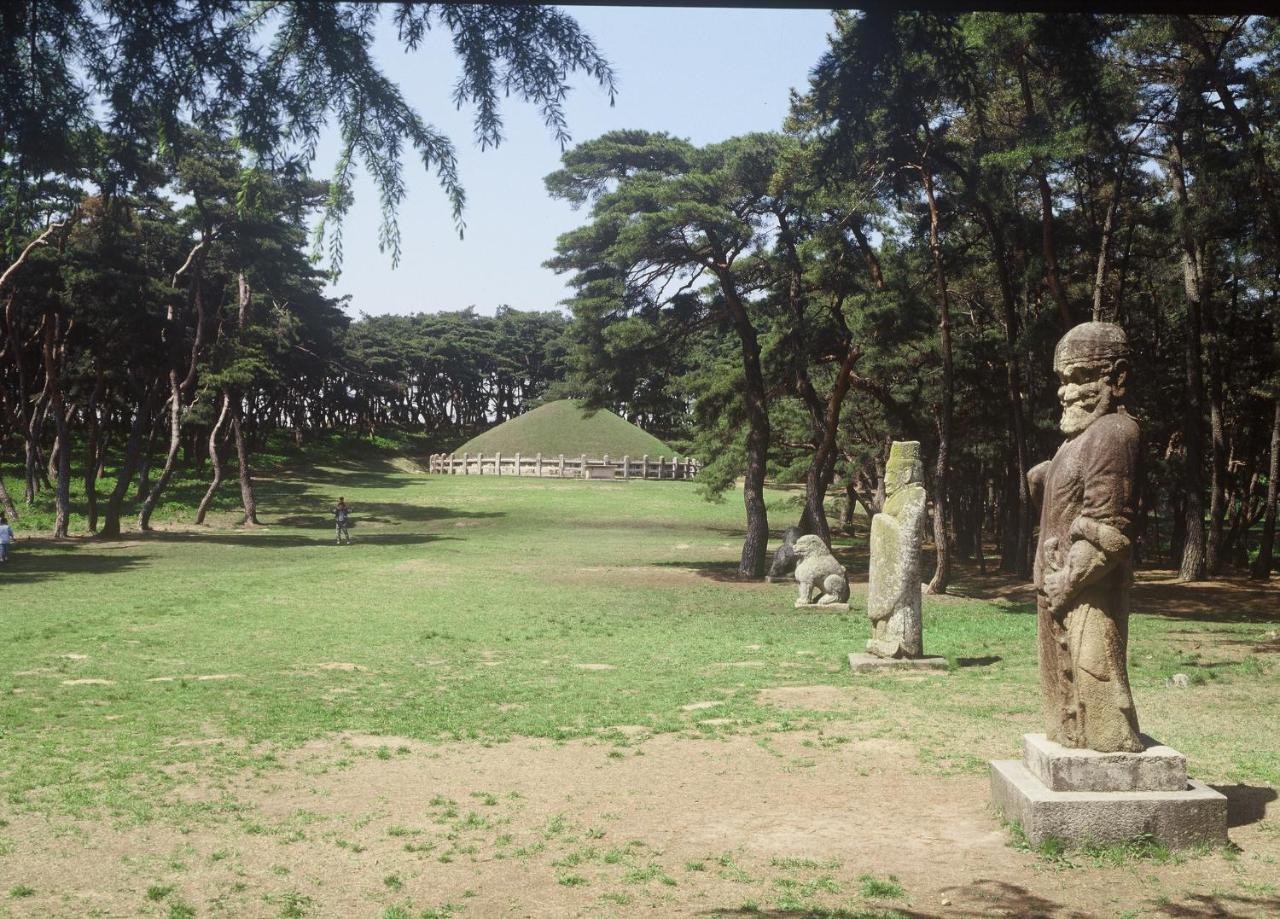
x,y
819,570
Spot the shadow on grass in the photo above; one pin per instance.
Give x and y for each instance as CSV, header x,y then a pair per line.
x,y
978,661
715,571
377,512
265,539
1246,804
23,568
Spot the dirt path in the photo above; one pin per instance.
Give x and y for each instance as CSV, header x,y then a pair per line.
x,y
783,824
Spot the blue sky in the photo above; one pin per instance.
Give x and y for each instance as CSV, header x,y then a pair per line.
x,y
704,74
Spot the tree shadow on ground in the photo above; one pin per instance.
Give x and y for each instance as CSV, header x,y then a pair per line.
x,y
726,572
23,568
1219,906
265,539
761,912
1225,600
1246,804
318,514
1155,593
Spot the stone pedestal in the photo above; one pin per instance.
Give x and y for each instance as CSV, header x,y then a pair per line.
x,y
869,663
1085,796
836,606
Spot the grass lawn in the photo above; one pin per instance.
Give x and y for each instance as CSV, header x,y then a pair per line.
x,y
171,703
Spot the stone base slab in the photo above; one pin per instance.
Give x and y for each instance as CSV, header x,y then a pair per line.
x,y
780,578
867,663
840,606
1178,819
1157,768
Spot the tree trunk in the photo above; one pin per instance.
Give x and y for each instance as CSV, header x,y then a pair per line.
x,y
1192,567
756,543
942,573
1262,565
133,447
850,503
215,460
7,502
1217,433
62,452
175,437
1013,387
242,456
91,450
1104,248
1052,276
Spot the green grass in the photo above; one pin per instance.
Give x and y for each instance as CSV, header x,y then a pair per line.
x,y
222,648
563,427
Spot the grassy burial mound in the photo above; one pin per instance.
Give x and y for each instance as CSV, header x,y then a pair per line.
x,y
565,427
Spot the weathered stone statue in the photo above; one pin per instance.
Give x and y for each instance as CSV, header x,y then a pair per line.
x,y
1083,565
785,558
818,570
893,590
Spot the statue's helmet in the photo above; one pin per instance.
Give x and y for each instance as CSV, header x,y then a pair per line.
x,y
904,465
1091,342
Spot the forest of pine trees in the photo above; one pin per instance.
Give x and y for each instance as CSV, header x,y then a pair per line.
x,y
946,197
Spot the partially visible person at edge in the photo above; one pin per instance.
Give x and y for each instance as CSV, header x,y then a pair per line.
x,y
341,519
6,537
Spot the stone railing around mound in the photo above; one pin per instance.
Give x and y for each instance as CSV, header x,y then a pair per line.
x,y
564,467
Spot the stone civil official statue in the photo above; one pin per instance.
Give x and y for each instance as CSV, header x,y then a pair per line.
x,y
1083,567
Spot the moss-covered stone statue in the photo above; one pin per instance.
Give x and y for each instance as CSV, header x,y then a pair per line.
x,y
1083,568
893,592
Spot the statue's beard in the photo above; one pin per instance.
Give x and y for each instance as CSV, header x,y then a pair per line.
x,y
1084,410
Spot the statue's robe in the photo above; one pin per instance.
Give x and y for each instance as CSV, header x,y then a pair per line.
x,y
1084,681
893,591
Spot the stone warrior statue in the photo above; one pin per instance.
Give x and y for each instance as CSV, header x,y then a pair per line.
x,y
1083,564
893,594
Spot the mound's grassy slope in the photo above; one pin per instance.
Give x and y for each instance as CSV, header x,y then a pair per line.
x,y
563,427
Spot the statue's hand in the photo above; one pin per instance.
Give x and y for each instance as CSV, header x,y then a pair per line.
x,y
1057,589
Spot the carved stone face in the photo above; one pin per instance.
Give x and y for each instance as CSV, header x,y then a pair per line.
x,y
1088,390
1091,362
903,466
809,546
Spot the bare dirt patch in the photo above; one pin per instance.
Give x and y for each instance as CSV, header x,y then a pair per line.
x,y
674,827
817,698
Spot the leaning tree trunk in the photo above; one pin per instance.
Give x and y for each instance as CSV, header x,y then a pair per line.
x,y
1262,566
941,574
7,502
822,469
247,498
175,432
62,451
214,459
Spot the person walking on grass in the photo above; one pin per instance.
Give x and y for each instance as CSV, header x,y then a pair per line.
x,y
6,537
341,519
